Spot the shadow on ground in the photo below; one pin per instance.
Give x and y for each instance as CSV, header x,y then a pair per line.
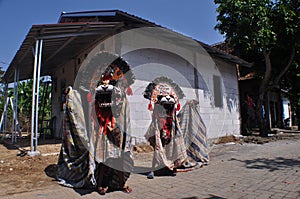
x,y
274,164
51,170
26,142
208,197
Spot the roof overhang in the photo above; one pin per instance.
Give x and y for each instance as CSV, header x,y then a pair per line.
x,y
61,42
226,56
65,40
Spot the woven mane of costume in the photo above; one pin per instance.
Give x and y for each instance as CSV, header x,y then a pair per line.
x,y
90,75
117,69
152,87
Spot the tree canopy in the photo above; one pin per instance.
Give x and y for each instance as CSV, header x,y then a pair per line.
x,y
266,32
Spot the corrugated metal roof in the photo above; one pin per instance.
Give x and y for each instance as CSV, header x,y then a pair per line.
x,y
107,15
61,42
67,39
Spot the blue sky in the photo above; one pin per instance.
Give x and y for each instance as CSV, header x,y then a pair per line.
x,y
194,18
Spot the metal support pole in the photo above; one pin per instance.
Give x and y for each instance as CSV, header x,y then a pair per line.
x,y
4,118
4,121
13,110
13,134
35,99
14,104
38,93
5,113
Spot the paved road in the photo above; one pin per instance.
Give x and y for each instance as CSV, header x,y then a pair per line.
x,y
270,170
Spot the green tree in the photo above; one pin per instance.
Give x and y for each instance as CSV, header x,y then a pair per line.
x,y
25,102
268,29
2,86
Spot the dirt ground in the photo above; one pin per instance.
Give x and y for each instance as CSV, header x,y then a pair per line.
x,y
22,173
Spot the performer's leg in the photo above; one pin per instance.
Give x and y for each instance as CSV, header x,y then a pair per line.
x,y
102,179
151,174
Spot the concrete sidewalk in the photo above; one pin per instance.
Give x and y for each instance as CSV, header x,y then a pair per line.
x,y
270,170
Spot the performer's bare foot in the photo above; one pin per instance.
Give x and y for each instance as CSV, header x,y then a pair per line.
x,y
102,191
127,189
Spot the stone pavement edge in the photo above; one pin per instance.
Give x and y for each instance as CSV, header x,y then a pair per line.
x,y
245,171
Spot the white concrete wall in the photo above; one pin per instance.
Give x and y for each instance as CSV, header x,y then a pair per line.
x,y
230,113
176,62
149,64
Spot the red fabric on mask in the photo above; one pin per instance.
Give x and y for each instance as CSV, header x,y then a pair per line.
x,y
165,123
105,117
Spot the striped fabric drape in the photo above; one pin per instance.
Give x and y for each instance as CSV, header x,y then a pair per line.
x,y
73,164
81,153
194,132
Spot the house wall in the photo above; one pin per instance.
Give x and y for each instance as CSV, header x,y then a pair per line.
x,y
149,63
64,76
230,122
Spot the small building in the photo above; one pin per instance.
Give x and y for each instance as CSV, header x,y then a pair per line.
x,y
277,109
205,74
